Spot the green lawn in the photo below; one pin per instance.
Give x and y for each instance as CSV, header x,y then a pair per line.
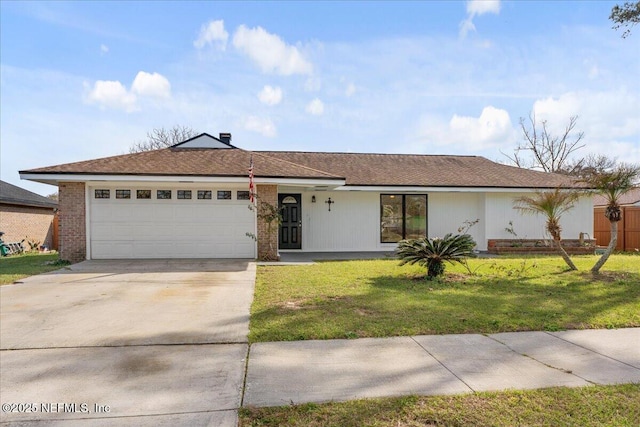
x,y
379,298
585,407
16,267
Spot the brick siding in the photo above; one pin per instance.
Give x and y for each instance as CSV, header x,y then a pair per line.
x,y
26,222
267,242
72,221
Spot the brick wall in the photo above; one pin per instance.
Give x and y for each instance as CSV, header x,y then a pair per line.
x,y
72,221
26,222
267,242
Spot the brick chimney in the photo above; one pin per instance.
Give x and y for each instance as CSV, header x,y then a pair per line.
x,y
225,137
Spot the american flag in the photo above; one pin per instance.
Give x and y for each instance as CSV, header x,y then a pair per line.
x,y
251,189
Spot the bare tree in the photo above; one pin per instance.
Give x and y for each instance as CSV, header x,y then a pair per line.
x,y
541,149
586,167
163,138
53,196
626,15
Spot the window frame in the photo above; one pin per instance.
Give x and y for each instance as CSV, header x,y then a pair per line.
x,y
121,193
143,192
101,193
224,193
403,197
158,192
204,194
182,194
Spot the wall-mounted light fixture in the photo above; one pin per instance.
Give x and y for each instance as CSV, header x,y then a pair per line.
x,y
313,198
329,202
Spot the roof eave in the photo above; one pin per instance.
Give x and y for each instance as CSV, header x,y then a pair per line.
x,y
57,177
32,204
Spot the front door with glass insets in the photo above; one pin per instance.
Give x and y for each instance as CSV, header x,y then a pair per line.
x,y
291,227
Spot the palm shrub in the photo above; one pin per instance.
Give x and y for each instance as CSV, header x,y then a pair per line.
x,y
433,252
551,204
613,184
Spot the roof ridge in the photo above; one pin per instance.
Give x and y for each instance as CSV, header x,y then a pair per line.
x,y
374,154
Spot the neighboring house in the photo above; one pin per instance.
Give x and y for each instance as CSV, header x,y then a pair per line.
x,y
628,227
191,201
26,215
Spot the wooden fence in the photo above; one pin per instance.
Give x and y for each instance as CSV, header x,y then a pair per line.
x,y
628,228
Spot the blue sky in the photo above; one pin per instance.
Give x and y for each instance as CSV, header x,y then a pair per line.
x,y
82,80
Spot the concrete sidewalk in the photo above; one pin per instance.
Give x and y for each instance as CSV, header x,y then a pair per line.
x,y
281,373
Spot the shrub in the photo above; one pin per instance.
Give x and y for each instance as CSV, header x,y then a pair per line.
x,y
433,252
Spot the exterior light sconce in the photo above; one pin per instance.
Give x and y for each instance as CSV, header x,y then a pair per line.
x,y
313,198
329,202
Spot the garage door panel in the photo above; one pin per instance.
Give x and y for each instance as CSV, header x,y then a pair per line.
x,y
143,231
123,213
102,231
187,231
113,249
163,213
174,228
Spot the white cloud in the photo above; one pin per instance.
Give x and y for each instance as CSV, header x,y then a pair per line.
x,y
112,94
212,33
477,8
480,7
315,107
263,126
153,85
492,128
270,95
600,114
269,52
104,49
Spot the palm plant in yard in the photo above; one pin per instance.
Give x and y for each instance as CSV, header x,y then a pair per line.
x,y
433,252
551,204
613,185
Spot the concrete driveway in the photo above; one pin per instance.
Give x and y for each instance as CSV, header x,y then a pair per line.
x,y
157,342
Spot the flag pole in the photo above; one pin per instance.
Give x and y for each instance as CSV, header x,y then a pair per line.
x,y
251,184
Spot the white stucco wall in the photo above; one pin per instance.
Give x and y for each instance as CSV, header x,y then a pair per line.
x,y
354,221
449,211
499,211
352,225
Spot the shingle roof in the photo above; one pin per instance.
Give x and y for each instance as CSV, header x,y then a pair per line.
x,y
232,162
422,170
13,195
356,169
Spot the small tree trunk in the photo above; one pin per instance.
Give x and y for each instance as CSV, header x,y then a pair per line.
x,y
612,245
565,256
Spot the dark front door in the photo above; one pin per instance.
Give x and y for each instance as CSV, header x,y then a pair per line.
x,y
291,227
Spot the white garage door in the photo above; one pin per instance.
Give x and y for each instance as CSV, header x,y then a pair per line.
x,y
142,222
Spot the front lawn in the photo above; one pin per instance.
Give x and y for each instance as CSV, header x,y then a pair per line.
x,y
586,406
379,298
16,267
